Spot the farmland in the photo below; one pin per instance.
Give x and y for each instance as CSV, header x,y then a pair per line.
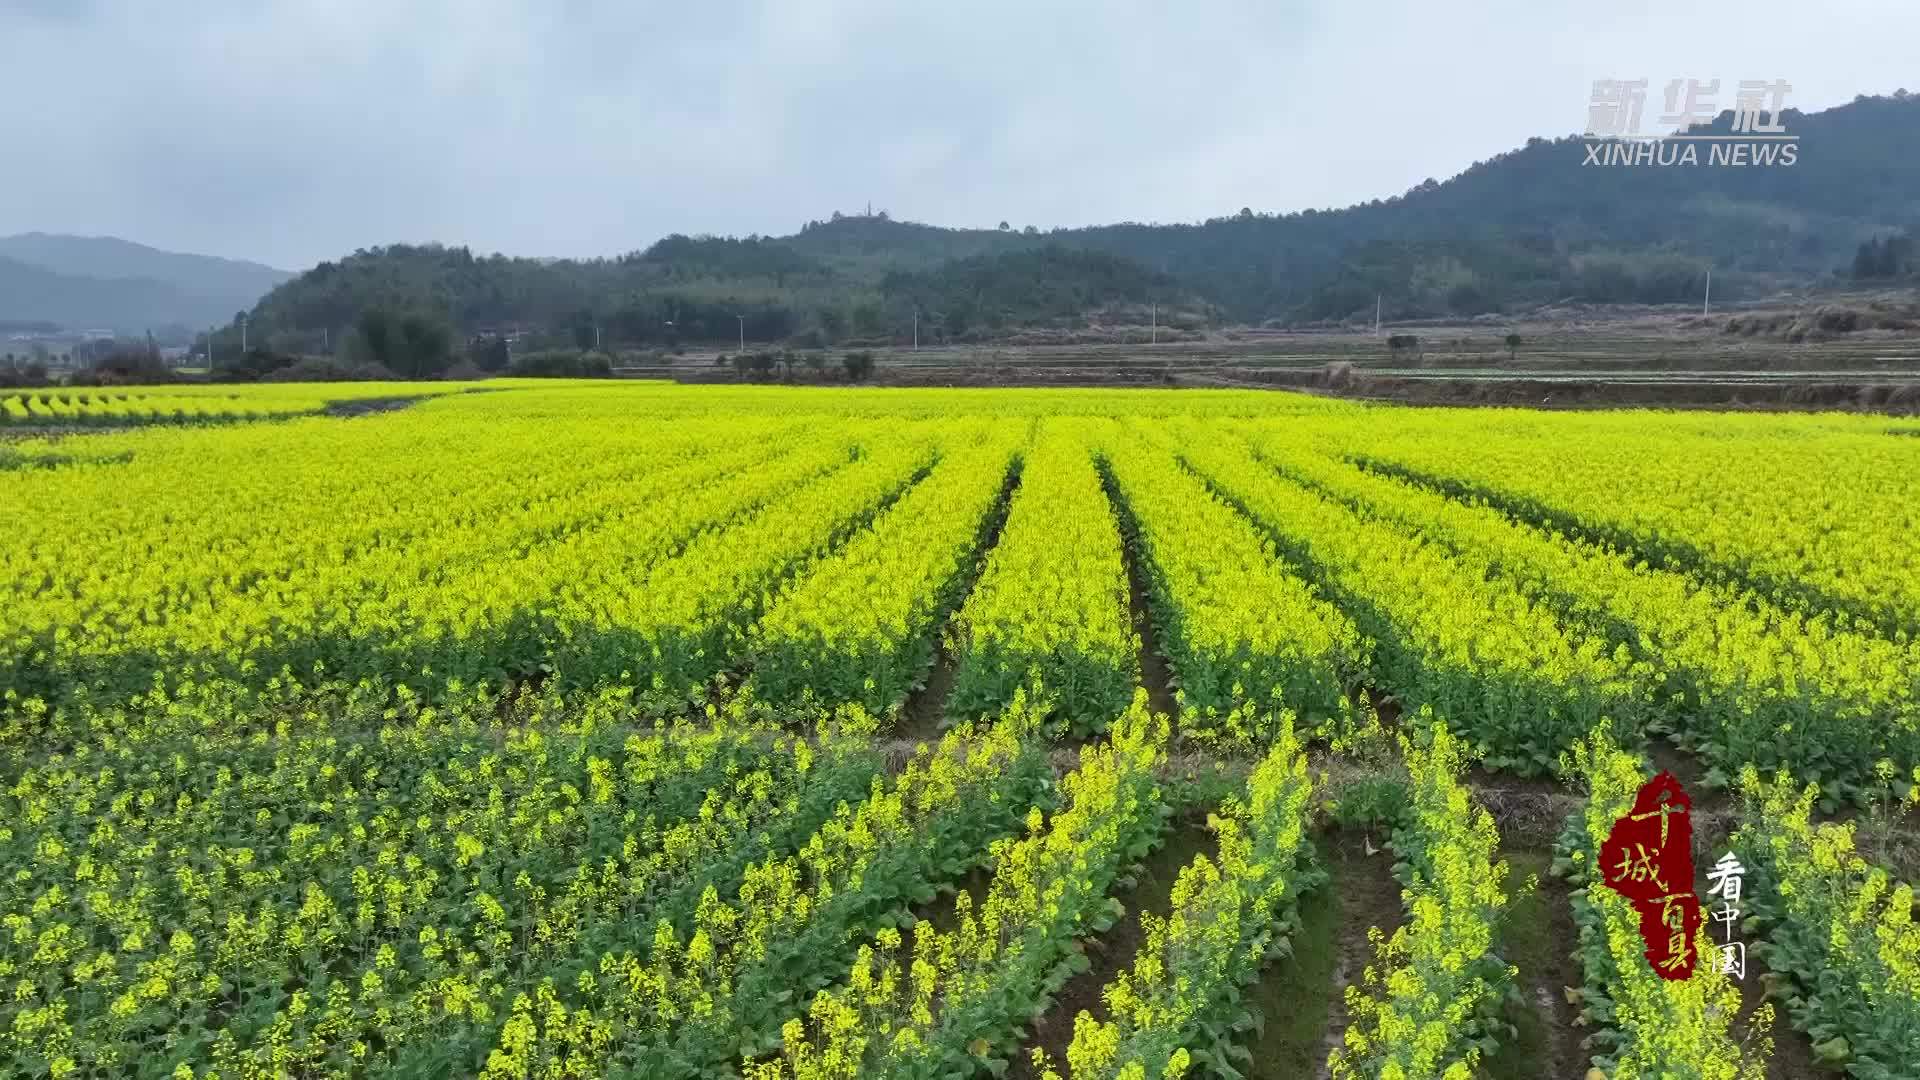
x,y
634,729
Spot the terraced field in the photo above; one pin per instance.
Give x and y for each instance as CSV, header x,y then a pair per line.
x,y
640,730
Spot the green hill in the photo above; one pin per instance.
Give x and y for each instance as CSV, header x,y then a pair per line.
x,y
1535,225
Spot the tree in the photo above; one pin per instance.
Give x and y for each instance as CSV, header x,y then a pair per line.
x,y
756,365
1513,346
1866,259
833,325
858,365
412,345
1885,257
1004,227
490,353
585,332
124,362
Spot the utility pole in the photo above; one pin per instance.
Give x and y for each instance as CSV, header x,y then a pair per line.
x,y
743,332
596,337
1376,314
916,329
243,334
1706,302
1155,306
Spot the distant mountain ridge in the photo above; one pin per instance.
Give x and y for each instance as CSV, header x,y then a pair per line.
x,y
1533,226
103,282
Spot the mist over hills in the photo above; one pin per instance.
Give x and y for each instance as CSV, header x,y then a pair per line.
x,y
99,282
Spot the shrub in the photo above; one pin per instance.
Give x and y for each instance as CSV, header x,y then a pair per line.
x,y
22,374
125,365
256,364
329,369
562,364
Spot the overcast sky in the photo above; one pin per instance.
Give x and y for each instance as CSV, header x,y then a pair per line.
x,y
290,131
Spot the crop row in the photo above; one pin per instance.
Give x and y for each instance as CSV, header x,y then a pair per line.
x,y
702,994
1178,1009
112,410
860,627
952,1000
1819,520
1431,1005
1836,932
1049,613
1645,1025
471,606
677,623
1740,681
1496,664
135,405
1245,634
328,904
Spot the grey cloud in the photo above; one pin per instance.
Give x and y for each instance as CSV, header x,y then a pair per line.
x,y
296,130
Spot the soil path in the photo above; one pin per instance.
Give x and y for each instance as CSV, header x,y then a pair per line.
x,y
1114,951
924,714
1302,1000
1155,673
1538,937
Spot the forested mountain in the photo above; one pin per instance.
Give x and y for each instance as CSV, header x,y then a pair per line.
x,y
102,282
680,289
1531,226
1536,224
